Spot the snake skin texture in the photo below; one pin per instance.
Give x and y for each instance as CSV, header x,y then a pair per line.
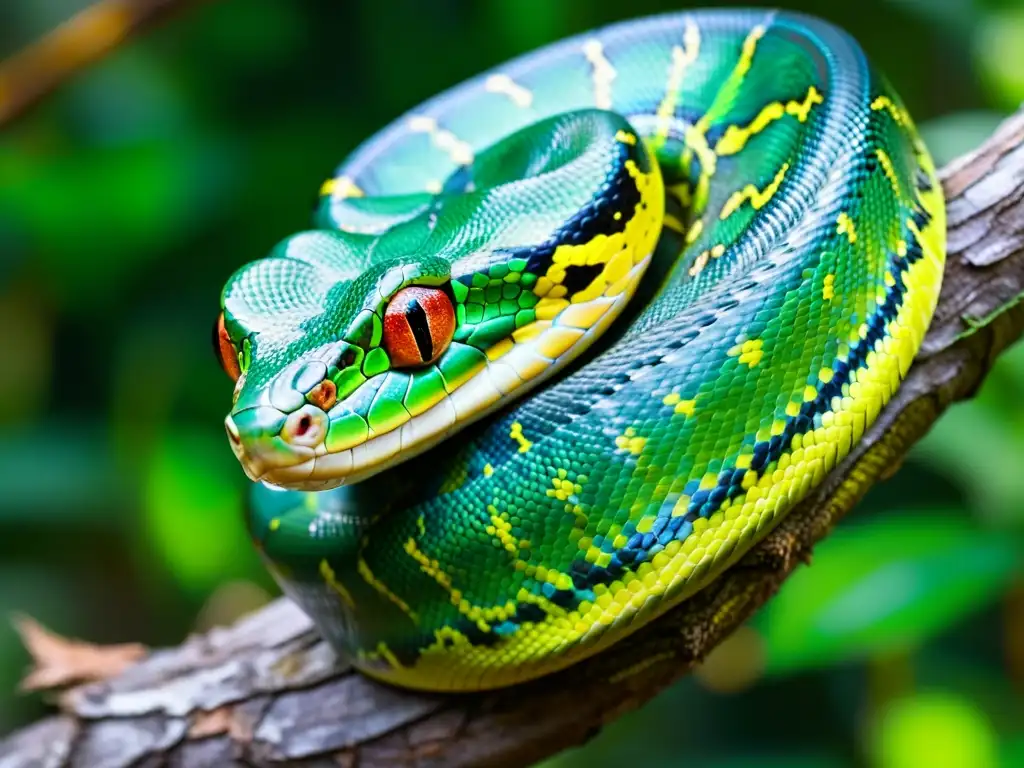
x,y
688,258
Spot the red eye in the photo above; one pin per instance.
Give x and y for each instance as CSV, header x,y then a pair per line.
x,y
225,350
418,326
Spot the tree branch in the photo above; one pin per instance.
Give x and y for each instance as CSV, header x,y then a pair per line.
x,y
268,692
31,74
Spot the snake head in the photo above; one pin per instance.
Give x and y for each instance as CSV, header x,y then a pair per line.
x,y
352,352
329,357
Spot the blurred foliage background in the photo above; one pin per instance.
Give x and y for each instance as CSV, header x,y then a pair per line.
x,y
127,199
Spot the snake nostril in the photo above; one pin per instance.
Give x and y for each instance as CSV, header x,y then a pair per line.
x,y
305,428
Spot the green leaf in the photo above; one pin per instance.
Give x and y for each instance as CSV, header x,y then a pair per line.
x,y
979,444
193,506
1000,56
937,729
92,217
953,135
884,585
57,471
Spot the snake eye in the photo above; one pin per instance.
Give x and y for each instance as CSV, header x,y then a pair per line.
x,y
418,326
225,351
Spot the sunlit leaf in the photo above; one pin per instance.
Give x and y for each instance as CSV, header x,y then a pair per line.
x,y
1000,56
193,502
884,585
937,729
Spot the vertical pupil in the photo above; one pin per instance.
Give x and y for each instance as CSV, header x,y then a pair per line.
x,y
419,324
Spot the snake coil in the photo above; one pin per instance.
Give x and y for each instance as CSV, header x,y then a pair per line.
x,y
740,189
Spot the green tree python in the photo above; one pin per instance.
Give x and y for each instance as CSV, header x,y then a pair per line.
x,y
714,237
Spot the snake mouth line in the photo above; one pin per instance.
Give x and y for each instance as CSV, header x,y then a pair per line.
x,y
308,465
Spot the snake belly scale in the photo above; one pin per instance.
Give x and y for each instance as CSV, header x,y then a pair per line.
x,y
737,195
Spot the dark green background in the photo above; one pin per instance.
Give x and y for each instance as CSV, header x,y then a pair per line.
x,y
128,198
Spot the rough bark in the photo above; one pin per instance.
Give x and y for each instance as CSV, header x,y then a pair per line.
x,y
268,692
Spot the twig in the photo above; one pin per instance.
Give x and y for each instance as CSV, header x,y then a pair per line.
x,y
87,37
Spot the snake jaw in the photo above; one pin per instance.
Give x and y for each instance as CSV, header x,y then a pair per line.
x,y
265,439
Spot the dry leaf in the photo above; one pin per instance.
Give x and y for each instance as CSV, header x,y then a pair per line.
x,y
60,661
210,723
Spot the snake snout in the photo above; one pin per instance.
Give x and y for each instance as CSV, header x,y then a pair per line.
x,y
265,439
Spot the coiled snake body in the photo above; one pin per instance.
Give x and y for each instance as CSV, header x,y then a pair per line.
x,y
741,187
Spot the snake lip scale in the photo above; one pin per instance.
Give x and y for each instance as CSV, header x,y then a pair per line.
x,y
741,190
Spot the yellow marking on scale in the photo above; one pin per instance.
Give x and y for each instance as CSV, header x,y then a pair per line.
x,y
682,57
274,524
488,470
382,588
460,152
699,264
747,54
563,487
516,433
500,349
481,616
828,289
556,341
702,260
735,137
898,114
619,252
749,352
386,654
757,198
844,226
549,308
889,170
625,137
341,187
531,331
630,441
673,223
695,136
727,94
603,73
682,193
328,575
585,315
501,529
505,86
694,232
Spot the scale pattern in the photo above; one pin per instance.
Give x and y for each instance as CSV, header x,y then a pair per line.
x,y
801,252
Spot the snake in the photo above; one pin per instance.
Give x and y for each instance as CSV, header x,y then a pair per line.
x,y
565,341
